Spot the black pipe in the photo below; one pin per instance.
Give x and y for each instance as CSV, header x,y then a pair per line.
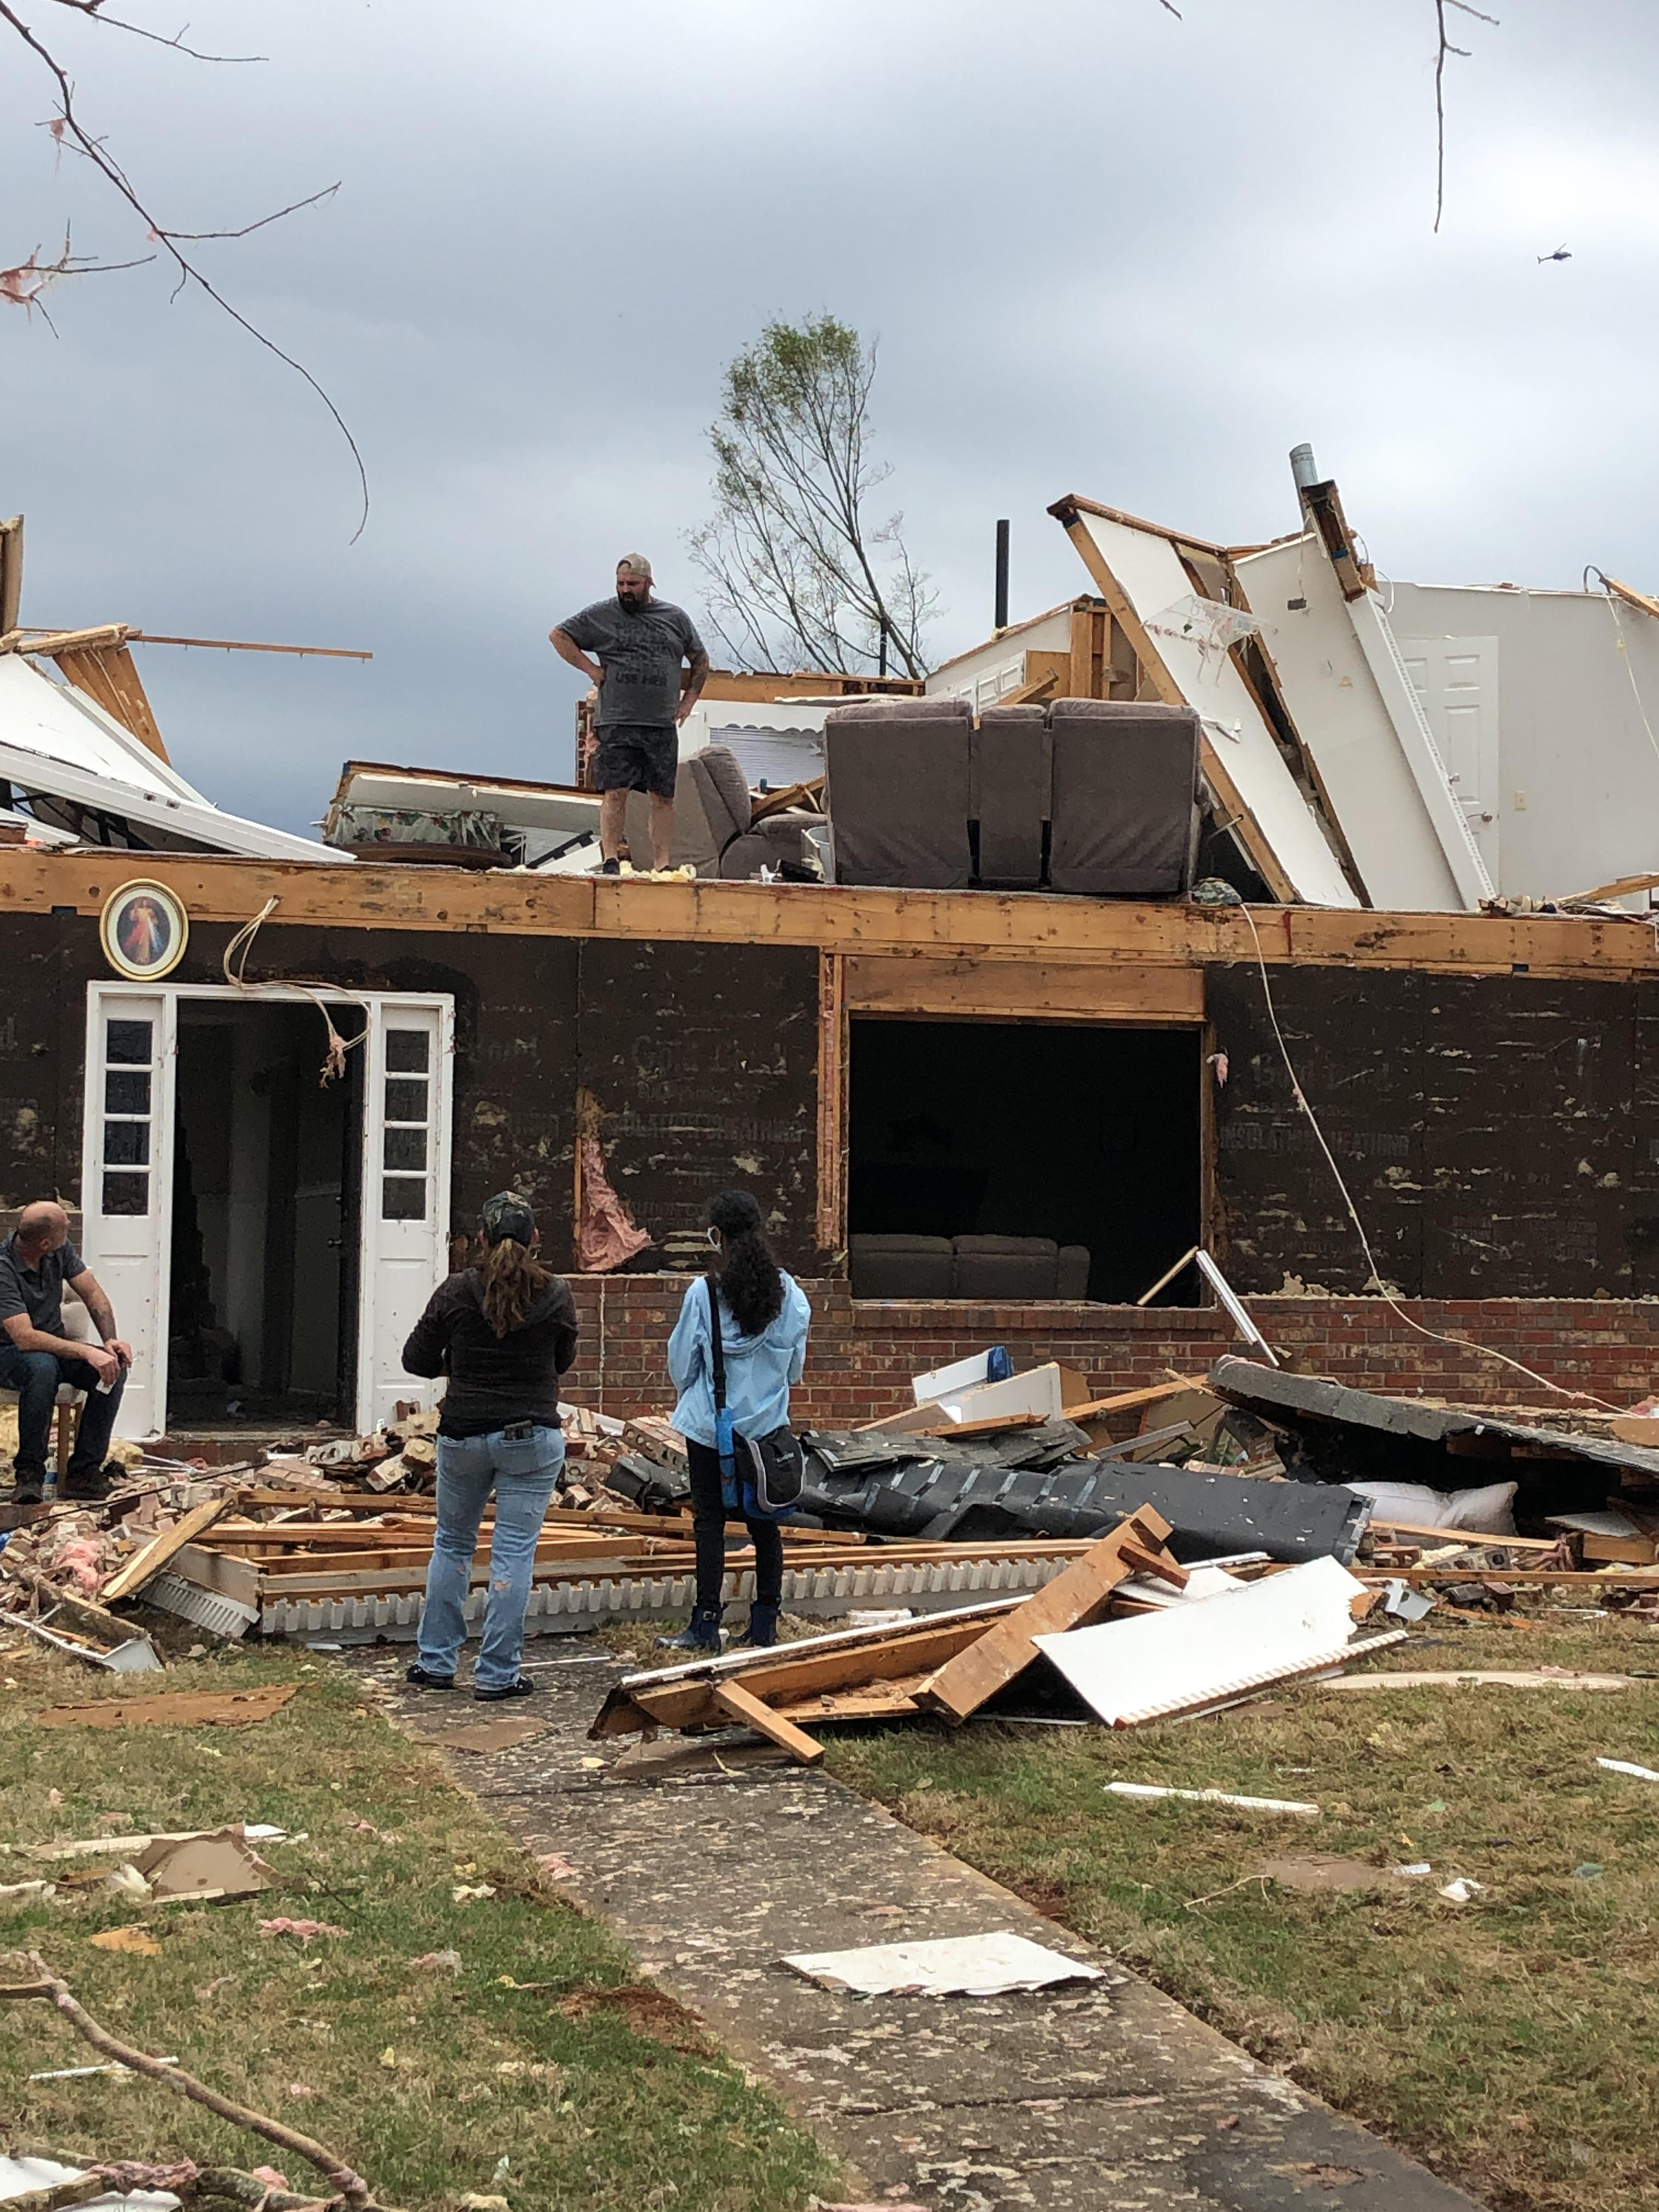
x,y
1002,576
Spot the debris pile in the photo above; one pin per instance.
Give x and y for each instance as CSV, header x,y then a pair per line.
x,y
1136,1635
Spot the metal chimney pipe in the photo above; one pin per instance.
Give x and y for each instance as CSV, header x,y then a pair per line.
x,y
1304,468
1001,622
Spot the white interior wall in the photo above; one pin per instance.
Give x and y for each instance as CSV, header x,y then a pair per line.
x,y
1579,774
1337,708
989,671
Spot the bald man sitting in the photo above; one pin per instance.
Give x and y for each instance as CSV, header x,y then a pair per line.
x,y
36,1261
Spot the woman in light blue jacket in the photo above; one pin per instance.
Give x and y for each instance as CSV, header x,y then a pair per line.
x,y
764,1317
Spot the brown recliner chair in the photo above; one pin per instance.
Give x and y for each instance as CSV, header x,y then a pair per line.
x,y
712,821
1125,798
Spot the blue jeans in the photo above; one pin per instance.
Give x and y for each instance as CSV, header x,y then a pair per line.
x,y
35,1376
523,1473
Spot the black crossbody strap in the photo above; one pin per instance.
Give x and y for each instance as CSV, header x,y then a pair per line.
x,y
718,1347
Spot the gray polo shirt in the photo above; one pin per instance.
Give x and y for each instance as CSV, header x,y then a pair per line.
x,y
38,1291
639,649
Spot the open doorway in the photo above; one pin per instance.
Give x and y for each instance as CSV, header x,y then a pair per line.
x,y
1086,1136
266,1209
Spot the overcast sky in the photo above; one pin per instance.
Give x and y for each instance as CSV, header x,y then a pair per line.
x,y
1105,251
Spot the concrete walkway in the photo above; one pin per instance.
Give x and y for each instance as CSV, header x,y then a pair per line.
x,y
1086,2097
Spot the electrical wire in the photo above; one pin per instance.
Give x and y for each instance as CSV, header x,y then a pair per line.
x,y
334,1058
1463,1343
1630,666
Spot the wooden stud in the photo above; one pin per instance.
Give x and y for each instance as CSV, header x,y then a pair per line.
x,y
961,986
1073,1600
108,675
160,1549
742,1705
832,1102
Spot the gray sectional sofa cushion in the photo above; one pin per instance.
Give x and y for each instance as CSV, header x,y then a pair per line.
x,y
898,790
1125,804
1010,796
984,1267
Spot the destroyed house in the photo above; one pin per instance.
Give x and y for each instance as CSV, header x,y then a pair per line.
x,y
994,1052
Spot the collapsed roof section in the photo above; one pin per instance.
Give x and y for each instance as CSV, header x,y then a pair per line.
x,y
68,764
1315,747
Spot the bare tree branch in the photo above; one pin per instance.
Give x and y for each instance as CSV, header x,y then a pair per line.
x,y
93,10
1443,49
68,129
248,229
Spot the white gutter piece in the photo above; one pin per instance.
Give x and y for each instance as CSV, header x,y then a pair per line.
x,y
154,808
48,716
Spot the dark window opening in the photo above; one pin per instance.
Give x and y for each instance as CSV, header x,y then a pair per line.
x,y
265,1180
1073,1139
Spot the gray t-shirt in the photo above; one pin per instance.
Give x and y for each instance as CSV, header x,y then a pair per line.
x,y
640,650
37,1291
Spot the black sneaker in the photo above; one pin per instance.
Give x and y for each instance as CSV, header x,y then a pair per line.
x,y
92,1489
28,1490
418,1677
610,867
522,1687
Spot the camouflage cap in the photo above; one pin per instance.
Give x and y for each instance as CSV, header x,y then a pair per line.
x,y
509,1214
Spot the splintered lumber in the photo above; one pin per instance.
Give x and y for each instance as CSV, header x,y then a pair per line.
x,y
816,1666
150,1561
742,1705
1073,1600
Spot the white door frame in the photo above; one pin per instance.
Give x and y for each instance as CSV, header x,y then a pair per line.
x,y
103,1238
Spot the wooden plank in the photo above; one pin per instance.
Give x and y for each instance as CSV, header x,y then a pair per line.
x,y
832,1102
109,675
688,1700
973,989
836,918
742,1705
217,1571
156,1553
1073,1600
1473,1537
1635,1578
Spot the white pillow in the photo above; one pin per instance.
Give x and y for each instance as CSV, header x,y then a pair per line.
x,y
1488,1511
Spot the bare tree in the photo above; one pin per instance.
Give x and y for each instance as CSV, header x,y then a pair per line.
x,y
798,572
1443,51
25,284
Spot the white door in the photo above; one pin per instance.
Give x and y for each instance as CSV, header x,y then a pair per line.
x,y
405,1239
1457,680
126,1196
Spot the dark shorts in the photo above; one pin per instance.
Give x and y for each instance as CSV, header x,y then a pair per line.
x,y
637,757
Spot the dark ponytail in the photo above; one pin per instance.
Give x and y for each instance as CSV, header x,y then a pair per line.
x,y
750,1281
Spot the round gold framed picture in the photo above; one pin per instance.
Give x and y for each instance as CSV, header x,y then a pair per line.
x,y
144,930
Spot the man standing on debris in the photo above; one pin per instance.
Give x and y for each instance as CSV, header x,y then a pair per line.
x,y
644,696
36,1261
503,1333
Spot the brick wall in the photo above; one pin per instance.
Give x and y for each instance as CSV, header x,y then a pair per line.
x,y
863,1354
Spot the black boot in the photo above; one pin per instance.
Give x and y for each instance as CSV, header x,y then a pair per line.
x,y
762,1630
701,1633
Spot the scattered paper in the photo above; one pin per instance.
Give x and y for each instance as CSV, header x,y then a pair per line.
x,y
950,1966
1461,1889
1412,1872
138,1941
465,1893
205,1866
1146,1790
81,2073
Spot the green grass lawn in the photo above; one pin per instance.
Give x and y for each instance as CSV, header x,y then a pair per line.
x,y
1511,2043
423,2078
